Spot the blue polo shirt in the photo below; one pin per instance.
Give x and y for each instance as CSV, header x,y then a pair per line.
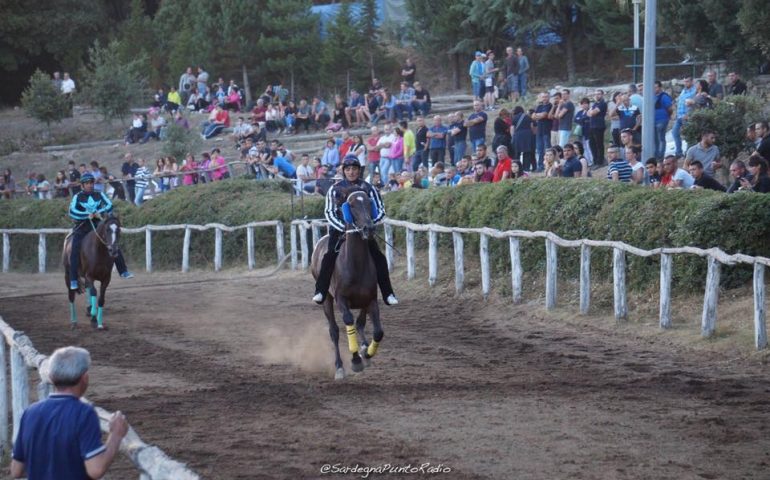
x,y
681,105
437,143
56,437
285,167
597,121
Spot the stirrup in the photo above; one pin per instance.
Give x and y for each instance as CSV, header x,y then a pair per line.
x,y
391,300
318,298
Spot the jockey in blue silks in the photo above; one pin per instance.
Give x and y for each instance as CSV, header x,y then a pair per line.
x,y
338,219
85,208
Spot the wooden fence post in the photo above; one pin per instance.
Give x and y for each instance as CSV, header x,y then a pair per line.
x,y
148,249
4,444
516,272
293,240
41,251
186,250
710,299
6,252
217,249
20,392
250,247
432,257
585,279
760,329
316,234
551,269
666,267
619,283
303,245
279,249
484,257
457,240
409,254
389,245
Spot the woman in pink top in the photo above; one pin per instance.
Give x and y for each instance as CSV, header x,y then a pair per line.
x,y
190,165
219,165
397,151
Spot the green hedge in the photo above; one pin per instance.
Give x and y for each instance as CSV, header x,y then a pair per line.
x,y
572,209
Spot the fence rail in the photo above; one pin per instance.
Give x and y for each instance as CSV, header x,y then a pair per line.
x,y
715,256
149,460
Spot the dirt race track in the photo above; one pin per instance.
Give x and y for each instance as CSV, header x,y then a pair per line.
x,y
232,374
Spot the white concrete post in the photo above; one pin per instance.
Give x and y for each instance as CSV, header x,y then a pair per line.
x,y
20,393
585,279
148,249
186,250
457,239
6,252
250,247
551,277
389,245
409,254
484,257
217,249
666,268
41,251
516,272
5,446
760,329
619,283
293,240
303,245
316,234
279,248
710,299
432,257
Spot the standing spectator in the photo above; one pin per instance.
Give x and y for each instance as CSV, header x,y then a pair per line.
x,y
523,147
664,106
306,174
612,113
397,151
141,179
98,178
421,102
458,132
128,170
630,117
673,176
705,152
421,145
57,81
186,84
715,89
571,167
598,125
73,177
503,166
59,437
512,74
437,138
409,71
203,81
219,166
61,185
490,71
373,153
565,113
736,85
738,172
477,125
682,114
189,166
543,136
583,127
523,71
477,76
618,170
410,145
43,188
702,180
68,86
383,145
502,130
634,97
585,170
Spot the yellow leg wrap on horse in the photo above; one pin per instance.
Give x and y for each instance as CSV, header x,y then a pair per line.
x,y
352,339
372,348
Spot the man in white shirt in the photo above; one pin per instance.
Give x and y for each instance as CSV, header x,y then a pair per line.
x,y
680,178
306,174
383,145
67,85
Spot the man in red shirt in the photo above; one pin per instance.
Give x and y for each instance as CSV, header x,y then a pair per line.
x,y
503,167
347,142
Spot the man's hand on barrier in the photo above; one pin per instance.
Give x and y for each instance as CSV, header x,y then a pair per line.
x,y
118,425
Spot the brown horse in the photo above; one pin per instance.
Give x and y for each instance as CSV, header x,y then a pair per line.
x,y
98,251
354,284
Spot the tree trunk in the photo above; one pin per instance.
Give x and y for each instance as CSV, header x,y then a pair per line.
x,y
246,86
456,71
371,65
569,51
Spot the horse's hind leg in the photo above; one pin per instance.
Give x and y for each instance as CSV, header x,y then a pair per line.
x,y
334,333
73,315
360,324
374,311
102,296
350,328
91,307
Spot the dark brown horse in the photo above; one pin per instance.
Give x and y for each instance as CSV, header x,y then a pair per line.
x,y
98,251
354,284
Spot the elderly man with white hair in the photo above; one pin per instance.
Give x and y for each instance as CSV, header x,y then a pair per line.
x,y
59,437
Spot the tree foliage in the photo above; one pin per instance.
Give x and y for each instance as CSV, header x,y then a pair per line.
x,y
180,141
112,85
43,101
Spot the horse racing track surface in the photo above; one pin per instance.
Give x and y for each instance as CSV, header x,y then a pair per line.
x,y
232,373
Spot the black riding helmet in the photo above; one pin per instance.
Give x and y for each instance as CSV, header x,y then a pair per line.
x,y
351,160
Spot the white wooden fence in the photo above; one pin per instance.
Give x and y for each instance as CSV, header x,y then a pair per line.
x,y
715,256
149,460
147,230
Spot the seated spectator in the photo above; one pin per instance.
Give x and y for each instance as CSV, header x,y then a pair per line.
x,y
289,117
159,99
157,124
760,181
481,173
330,154
137,130
386,108
233,98
10,185
31,187
738,171
319,114
259,111
118,192
585,164
421,102
181,120
404,104
653,173
355,110
220,122
638,172
339,119
273,119
706,152
517,170
551,163
173,101
571,165
60,185
303,116
377,181
242,131
673,176
701,179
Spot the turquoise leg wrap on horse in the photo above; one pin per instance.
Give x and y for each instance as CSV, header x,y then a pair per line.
x,y
99,317
73,315
93,305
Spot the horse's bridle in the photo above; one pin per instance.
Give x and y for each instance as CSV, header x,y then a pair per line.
x,y
355,228
109,246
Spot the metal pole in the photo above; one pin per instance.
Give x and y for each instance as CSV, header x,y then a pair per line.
x,y
636,39
648,112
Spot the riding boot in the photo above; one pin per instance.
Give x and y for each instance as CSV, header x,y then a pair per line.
x,y
324,279
77,238
120,264
383,275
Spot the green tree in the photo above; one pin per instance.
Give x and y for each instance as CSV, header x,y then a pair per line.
x,y
338,61
111,85
180,141
137,37
754,20
43,101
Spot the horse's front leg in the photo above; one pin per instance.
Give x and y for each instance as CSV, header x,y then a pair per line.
x,y
378,333
334,333
73,314
91,304
350,328
100,311
360,327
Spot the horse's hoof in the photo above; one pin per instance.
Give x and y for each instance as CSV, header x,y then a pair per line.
x,y
339,374
94,323
357,365
362,353
102,327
